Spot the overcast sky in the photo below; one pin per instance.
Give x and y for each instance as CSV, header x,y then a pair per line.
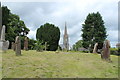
x,y
35,14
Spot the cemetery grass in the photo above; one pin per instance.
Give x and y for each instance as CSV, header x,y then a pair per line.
x,y
49,64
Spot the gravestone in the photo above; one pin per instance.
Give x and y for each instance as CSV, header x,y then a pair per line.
x,y
13,46
18,46
26,43
106,50
3,43
3,33
95,48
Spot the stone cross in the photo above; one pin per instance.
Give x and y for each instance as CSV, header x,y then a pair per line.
x,y
18,46
106,50
26,43
95,48
3,33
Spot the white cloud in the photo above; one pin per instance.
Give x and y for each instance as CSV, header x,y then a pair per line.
x,y
113,37
74,12
32,34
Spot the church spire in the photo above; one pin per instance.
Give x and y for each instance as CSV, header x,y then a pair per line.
x,y
65,33
65,39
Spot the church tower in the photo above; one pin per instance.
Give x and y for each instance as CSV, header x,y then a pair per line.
x,y
65,39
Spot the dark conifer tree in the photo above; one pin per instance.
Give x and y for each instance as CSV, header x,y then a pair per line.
x,y
49,33
94,31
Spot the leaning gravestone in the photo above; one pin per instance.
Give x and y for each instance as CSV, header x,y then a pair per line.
x,y
26,43
3,43
106,50
18,46
95,48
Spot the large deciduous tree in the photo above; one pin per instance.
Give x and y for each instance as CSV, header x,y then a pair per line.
x,y
14,26
49,33
94,31
77,45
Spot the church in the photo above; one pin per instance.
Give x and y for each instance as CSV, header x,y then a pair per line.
x,y
65,39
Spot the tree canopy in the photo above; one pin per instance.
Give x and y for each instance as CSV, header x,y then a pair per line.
x,y
14,26
77,45
49,33
93,30
32,44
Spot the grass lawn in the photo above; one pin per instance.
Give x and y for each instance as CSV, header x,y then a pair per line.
x,y
50,64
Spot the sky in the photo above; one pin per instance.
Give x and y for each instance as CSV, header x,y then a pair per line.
x,y
74,12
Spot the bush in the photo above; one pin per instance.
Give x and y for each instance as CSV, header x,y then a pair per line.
x,y
114,51
39,46
85,51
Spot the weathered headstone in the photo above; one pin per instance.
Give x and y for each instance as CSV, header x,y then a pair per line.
x,y
26,43
13,46
106,50
95,48
3,43
18,46
3,33
6,45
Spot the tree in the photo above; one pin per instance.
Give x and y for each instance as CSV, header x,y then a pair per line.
x,y
14,26
77,45
5,15
94,31
32,44
49,33
39,45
